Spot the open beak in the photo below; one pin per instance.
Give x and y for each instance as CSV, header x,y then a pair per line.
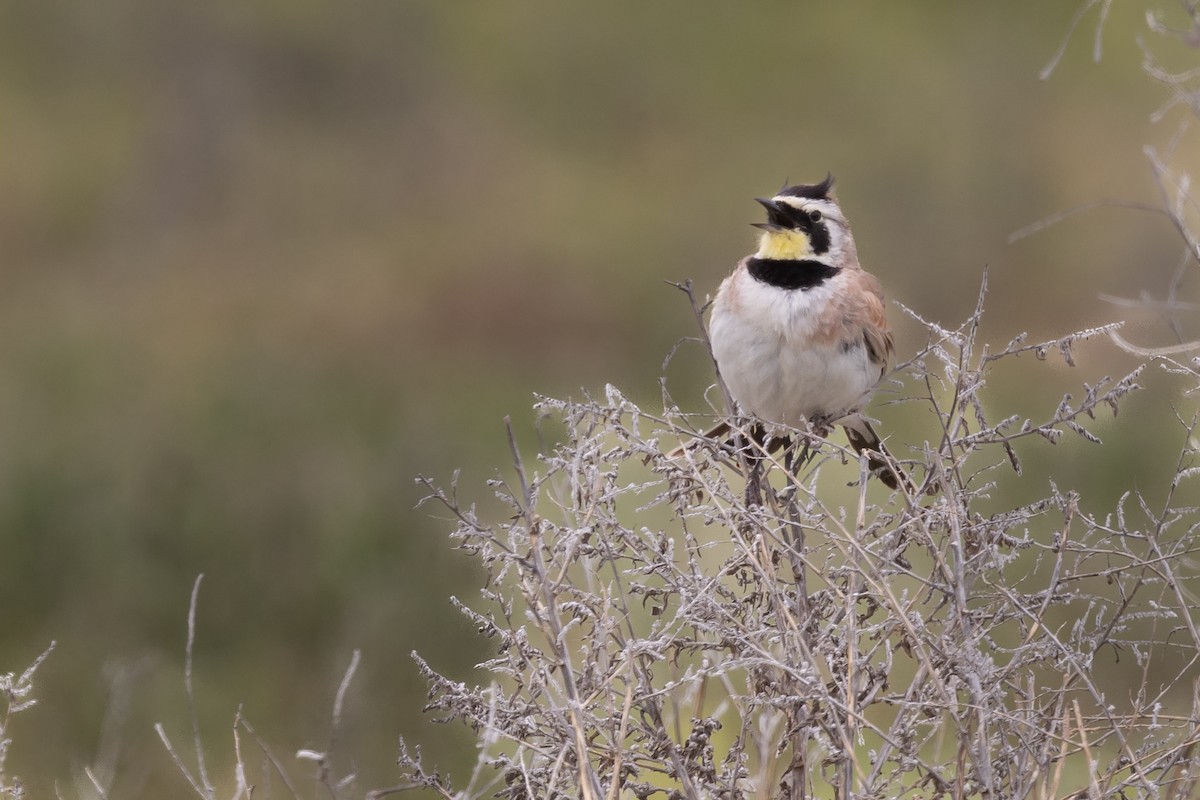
x,y
777,216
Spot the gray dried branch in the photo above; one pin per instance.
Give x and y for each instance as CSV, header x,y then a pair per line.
x,y
655,634
16,694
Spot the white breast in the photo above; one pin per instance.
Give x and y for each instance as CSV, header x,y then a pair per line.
x,y
763,343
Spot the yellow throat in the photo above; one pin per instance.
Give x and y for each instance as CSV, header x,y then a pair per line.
x,y
784,245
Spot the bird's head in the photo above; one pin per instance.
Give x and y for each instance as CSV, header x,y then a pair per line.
x,y
805,223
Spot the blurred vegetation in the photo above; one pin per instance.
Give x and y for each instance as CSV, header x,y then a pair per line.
x,y
265,262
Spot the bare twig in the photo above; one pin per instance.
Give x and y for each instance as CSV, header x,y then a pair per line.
x,y
201,769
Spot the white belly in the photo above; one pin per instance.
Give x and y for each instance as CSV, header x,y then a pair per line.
x,y
765,352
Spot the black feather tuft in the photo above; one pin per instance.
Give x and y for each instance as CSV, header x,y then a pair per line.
x,y
811,191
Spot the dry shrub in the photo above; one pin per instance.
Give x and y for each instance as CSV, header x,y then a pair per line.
x,y
657,635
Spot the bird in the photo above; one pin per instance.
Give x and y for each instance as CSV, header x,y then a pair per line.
x,y
799,331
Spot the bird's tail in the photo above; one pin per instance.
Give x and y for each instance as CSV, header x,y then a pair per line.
x,y
715,433
864,439
757,433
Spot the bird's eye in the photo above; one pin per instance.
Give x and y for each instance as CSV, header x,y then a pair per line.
x,y
814,215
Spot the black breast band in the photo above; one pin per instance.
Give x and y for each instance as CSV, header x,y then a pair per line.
x,y
789,273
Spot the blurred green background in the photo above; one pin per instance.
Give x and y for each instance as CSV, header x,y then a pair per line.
x,y
265,262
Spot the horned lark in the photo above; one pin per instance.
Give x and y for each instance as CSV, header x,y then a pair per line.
x,y
799,331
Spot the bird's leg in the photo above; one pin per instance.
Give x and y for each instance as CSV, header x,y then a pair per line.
x,y
800,453
745,449
788,445
754,484
753,469
805,450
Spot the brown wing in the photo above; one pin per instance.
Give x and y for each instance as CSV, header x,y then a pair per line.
x,y
874,320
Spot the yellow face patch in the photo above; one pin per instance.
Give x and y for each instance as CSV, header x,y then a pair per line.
x,y
785,245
